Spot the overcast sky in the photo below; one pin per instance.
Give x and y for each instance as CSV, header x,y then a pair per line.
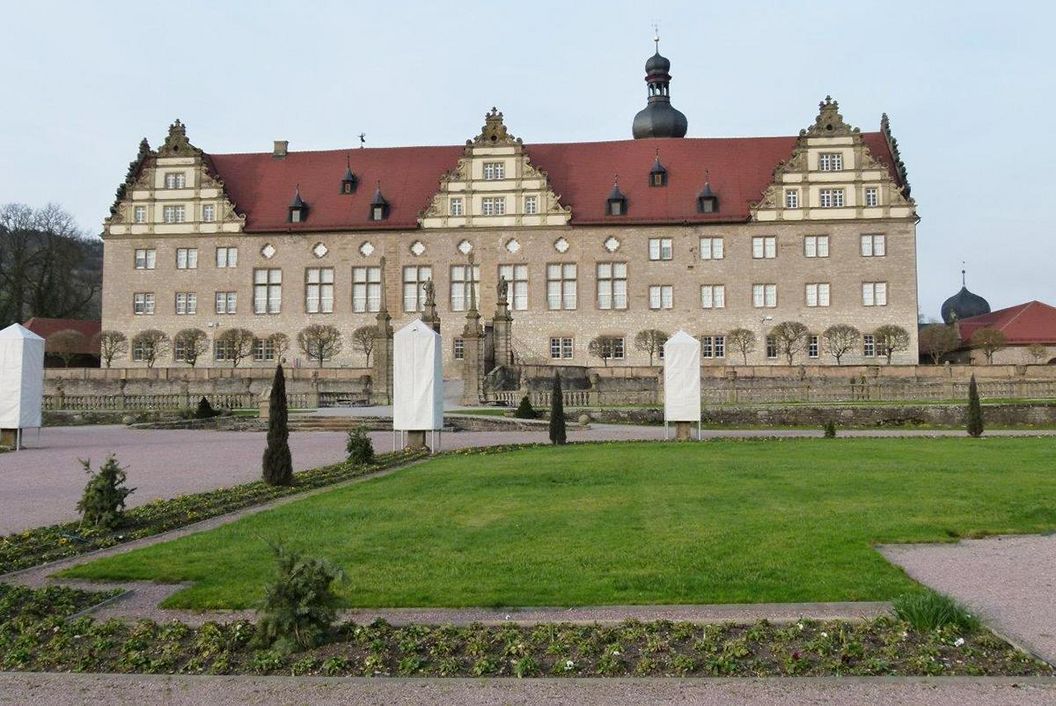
x,y
969,87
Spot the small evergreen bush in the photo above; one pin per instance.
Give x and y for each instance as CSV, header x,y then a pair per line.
x,y
525,410
277,463
830,429
975,410
300,605
205,410
557,413
359,447
103,502
927,610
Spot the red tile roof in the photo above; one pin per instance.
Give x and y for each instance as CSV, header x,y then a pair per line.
x,y
1024,324
581,173
87,328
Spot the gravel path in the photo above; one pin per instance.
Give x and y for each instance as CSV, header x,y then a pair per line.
x,y
74,689
1009,581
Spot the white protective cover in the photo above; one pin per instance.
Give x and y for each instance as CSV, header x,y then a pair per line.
x,y
21,377
417,379
682,378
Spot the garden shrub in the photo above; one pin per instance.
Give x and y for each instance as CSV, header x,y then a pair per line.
x,y
927,610
278,464
300,606
359,447
525,410
557,413
830,429
975,410
103,502
205,410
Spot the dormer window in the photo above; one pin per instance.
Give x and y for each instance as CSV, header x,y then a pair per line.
x,y
616,204
349,181
298,208
379,207
494,171
658,174
830,162
707,201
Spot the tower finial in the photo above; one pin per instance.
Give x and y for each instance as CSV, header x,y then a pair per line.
x,y
964,282
656,36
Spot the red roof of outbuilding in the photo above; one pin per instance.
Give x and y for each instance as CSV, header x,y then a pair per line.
x,y
581,174
1024,324
89,329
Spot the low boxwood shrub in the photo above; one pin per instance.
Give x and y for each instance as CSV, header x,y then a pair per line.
x,y
205,410
525,410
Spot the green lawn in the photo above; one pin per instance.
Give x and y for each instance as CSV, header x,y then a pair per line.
x,y
715,522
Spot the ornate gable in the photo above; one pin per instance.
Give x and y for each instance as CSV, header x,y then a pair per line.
x,y
494,184
832,175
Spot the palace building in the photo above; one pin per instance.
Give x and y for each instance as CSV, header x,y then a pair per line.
x,y
592,239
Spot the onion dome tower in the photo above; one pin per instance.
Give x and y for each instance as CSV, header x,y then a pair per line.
x,y
963,304
659,118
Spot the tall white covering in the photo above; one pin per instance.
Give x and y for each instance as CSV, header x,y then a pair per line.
x,y
417,379
21,377
682,378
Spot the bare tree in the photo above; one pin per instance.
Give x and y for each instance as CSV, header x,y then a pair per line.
x,y
364,338
111,345
65,345
237,344
280,343
151,344
936,340
320,342
741,340
791,338
989,341
840,339
650,341
189,345
1037,352
890,339
603,347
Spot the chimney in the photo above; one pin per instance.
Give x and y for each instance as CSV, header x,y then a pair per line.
x,y
280,149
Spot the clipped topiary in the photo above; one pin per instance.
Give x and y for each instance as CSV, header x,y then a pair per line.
x,y
300,605
975,410
103,502
359,447
525,410
278,464
557,413
204,410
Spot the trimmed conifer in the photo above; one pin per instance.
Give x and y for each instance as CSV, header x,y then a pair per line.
x,y
975,410
525,410
557,413
278,464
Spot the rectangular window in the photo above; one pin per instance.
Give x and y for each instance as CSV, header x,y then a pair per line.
x,y
460,275
139,351
874,293
816,246
791,198
494,170
143,303
771,347
712,346
186,258
263,350
612,285
868,345
561,286
493,205
661,296
186,303
711,249
831,198
172,214
874,245
517,280
456,206
458,348
222,350
818,294
414,279
660,249
319,290
813,347
830,161
764,296
872,196
531,205
267,291
146,258
366,289
139,214
175,180
764,247
226,302
208,213
713,296
562,347
226,257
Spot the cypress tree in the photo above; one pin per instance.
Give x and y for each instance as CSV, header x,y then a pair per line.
x,y
557,413
975,411
278,465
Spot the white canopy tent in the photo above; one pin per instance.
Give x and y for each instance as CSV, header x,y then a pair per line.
x,y
21,379
417,379
682,380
